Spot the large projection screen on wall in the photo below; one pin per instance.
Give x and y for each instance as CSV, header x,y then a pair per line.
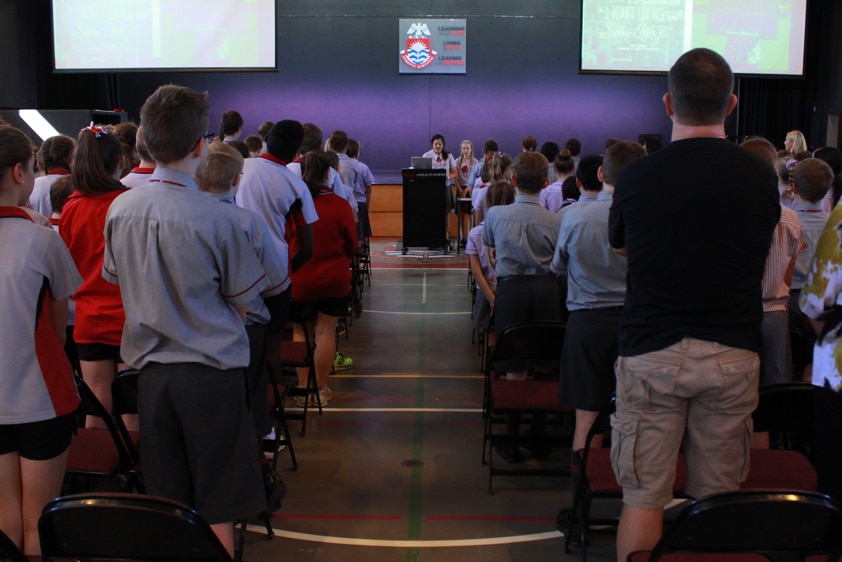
x,y
756,37
135,35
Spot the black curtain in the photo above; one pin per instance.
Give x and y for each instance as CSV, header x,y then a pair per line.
x,y
67,91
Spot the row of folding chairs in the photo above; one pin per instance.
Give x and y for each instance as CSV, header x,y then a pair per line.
x,y
744,526
785,412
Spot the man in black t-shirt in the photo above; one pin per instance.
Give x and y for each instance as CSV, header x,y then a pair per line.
x,y
695,220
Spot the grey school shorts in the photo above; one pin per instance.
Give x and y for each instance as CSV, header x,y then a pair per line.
x,y
198,443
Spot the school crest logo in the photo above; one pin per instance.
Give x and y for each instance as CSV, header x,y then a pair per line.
x,y
418,53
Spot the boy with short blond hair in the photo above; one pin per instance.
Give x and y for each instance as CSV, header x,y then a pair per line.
x,y
219,177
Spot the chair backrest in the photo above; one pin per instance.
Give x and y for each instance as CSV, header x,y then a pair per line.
x,y
124,401
9,551
786,407
113,526
786,411
775,524
602,425
89,405
124,392
538,341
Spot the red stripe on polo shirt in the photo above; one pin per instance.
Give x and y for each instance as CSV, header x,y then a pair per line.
x,y
55,367
273,158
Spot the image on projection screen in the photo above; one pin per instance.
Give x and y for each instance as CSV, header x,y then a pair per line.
x,y
755,36
163,34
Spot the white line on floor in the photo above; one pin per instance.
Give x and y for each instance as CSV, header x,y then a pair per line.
x,y
410,543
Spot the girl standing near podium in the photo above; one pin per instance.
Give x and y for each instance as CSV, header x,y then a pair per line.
x,y
464,166
442,160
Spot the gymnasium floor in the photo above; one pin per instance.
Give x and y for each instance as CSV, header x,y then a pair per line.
x,y
391,471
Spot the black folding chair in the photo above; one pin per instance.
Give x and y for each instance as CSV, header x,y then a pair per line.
x,y
294,355
124,401
115,526
9,551
539,343
97,453
786,411
753,524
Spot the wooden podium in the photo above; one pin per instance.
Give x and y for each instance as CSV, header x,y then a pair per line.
x,y
425,197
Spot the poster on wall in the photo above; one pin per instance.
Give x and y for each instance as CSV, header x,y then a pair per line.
x,y
432,46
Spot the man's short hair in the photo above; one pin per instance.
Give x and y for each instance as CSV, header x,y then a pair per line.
x,y
611,141
617,156
264,128
761,147
219,168
140,145
239,146
313,138
501,192
284,139
230,122
587,172
529,143
60,190
254,143
550,150
174,118
700,86
530,171
569,189
812,178
57,152
353,148
574,146
338,141
490,146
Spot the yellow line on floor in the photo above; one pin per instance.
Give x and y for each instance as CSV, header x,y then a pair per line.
x,y
410,543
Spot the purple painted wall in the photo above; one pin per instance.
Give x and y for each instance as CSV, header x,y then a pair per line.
x,y
342,73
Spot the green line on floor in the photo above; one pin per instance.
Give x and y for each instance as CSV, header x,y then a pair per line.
x,y
415,489
422,332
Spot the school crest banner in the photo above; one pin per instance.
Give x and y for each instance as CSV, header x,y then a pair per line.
x,y
432,46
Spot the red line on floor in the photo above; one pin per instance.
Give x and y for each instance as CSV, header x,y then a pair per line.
x,y
336,517
487,518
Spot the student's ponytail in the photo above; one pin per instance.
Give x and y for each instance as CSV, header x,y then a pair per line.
x,y
314,166
95,160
